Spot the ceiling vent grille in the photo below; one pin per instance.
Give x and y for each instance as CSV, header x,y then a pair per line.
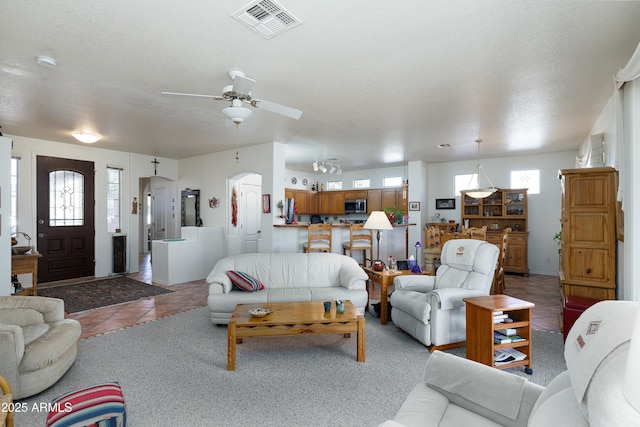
x,y
266,17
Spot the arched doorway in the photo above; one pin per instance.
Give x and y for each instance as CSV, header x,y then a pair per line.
x,y
245,213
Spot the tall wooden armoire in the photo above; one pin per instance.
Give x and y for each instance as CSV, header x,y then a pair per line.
x,y
588,249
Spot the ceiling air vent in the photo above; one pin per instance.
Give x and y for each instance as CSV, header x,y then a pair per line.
x,y
266,17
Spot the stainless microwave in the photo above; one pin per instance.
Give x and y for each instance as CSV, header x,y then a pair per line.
x,y
355,206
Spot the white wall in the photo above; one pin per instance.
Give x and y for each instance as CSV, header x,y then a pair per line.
x,y
544,208
629,250
5,214
212,173
134,166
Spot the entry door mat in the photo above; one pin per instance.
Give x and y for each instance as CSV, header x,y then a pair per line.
x,y
101,293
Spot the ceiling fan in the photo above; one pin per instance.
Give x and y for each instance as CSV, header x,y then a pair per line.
x,y
239,93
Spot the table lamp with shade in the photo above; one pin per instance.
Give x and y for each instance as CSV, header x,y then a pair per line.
x,y
378,221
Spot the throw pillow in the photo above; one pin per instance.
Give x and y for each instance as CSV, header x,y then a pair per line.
x,y
244,281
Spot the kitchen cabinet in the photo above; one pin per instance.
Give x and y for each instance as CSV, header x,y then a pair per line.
x,y
588,246
374,200
355,194
331,202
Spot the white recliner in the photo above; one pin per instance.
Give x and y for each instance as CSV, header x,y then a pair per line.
x,y
460,392
431,308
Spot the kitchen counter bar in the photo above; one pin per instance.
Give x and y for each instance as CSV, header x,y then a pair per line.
x,y
291,236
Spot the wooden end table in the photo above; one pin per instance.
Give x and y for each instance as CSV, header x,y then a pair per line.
x,y
25,264
481,326
294,318
385,279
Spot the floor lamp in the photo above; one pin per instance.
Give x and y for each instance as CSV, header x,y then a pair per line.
x,y
378,221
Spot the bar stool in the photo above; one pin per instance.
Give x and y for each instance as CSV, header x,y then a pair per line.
x,y
318,239
360,239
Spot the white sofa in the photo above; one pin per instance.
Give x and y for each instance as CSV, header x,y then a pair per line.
x,y
286,277
461,392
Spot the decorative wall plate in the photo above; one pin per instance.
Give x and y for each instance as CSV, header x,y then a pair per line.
x,y
305,182
294,180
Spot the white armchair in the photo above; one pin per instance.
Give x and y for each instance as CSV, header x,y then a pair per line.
x,y
591,392
431,308
37,344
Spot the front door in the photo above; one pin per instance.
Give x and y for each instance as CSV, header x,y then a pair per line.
x,y
65,209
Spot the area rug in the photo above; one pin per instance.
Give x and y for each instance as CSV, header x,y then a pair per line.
x,y
173,371
101,293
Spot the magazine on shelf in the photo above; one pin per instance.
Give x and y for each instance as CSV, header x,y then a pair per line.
x,y
500,339
507,355
505,319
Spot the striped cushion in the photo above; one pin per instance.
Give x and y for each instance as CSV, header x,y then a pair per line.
x,y
101,405
245,282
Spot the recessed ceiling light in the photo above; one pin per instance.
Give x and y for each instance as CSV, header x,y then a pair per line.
x,y
46,61
87,138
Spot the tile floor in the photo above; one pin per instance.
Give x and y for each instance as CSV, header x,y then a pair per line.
x,y
544,291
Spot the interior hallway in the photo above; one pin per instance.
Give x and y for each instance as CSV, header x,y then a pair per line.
x,y
544,291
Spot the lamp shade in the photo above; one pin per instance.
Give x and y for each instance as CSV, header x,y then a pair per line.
x,y
378,221
631,386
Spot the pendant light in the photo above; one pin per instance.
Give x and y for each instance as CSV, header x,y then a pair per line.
x,y
480,193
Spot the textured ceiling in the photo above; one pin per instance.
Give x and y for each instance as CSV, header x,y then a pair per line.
x,y
378,82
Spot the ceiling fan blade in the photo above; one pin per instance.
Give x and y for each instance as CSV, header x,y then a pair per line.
x,y
277,108
242,85
216,97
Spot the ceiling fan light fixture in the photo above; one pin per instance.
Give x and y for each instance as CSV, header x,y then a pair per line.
x,y
237,114
87,138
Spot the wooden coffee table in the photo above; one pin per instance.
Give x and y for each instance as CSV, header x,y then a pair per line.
x,y
293,318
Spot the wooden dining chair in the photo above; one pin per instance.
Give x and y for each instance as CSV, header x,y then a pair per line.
x,y
456,235
479,233
318,238
433,238
360,239
498,278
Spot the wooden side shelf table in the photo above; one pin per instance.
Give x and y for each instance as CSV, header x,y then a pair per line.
x,y
480,329
26,264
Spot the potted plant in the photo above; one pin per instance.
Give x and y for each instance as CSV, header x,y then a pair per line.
x,y
558,236
394,214
280,207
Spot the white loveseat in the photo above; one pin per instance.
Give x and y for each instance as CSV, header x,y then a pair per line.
x,y
286,277
460,392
